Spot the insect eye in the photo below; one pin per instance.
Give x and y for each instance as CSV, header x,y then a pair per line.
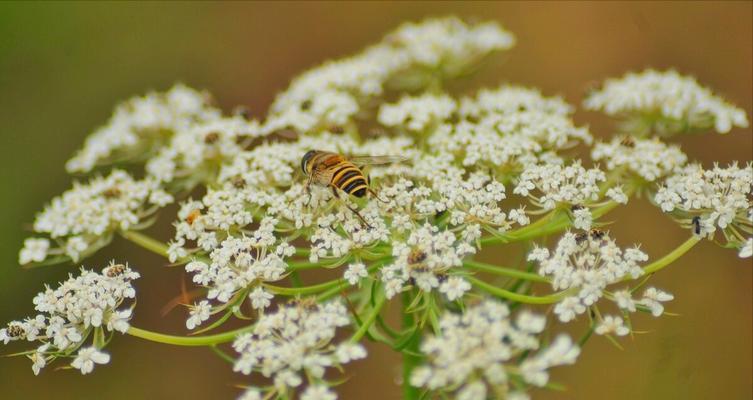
x,y
306,158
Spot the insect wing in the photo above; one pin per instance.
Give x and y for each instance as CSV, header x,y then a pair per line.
x,y
376,160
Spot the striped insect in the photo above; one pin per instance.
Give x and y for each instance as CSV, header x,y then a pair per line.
x,y
339,172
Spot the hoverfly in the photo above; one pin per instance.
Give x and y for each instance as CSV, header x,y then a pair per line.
x,y
337,171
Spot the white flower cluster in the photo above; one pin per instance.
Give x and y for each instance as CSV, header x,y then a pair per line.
x,y
83,219
179,134
710,198
355,272
417,113
410,57
425,260
197,151
267,178
470,198
650,159
416,224
586,263
235,265
613,325
507,126
524,138
666,102
142,124
652,299
557,184
261,182
507,99
295,343
69,313
474,354
562,351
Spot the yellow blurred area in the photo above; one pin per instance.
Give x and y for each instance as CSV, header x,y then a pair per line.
x,y
63,66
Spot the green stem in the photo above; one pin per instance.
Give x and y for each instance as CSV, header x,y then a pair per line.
x,y
589,332
222,354
99,337
672,256
208,340
547,225
553,216
149,243
510,272
561,223
600,211
304,290
295,279
303,265
520,298
410,360
380,301
327,289
328,294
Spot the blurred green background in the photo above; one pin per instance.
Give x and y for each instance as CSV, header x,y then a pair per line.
x,y
64,66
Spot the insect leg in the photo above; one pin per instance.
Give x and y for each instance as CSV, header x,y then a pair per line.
x,y
334,191
358,215
307,189
368,188
375,195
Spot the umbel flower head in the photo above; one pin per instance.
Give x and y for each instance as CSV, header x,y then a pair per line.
x,y
142,124
425,260
509,128
85,305
474,354
239,264
412,57
713,199
497,166
295,343
557,184
665,103
648,159
585,264
84,218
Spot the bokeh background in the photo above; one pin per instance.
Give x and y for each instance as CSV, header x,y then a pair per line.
x,y
64,66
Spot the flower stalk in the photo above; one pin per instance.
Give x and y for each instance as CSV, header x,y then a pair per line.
x,y
410,352
370,318
517,297
672,256
146,242
504,271
190,341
